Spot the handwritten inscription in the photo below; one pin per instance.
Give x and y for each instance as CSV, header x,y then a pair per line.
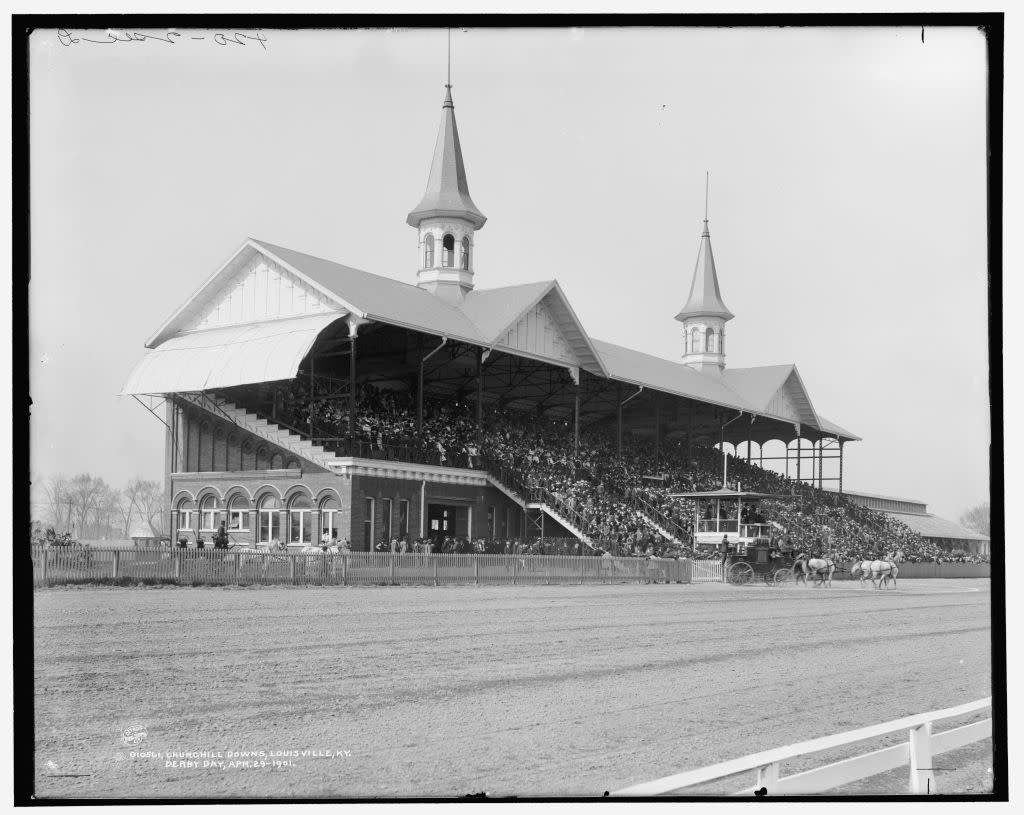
x,y
68,39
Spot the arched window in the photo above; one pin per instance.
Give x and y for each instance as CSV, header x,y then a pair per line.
x,y
710,340
238,514
428,252
208,514
721,341
277,461
330,516
185,510
270,520
261,458
300,523
448,251
695,341
465,253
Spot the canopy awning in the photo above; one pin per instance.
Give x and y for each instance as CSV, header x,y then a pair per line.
x,y
730,494
223,357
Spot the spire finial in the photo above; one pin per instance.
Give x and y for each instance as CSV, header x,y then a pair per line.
x,y
707,186
448,85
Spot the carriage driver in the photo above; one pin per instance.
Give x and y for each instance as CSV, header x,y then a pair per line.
x,y
724,549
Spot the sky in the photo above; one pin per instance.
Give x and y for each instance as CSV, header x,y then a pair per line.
x,y
847,206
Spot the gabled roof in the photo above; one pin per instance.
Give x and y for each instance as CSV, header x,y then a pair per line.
x,y
705,297
932,526
757,385
639,368
447,192
378,298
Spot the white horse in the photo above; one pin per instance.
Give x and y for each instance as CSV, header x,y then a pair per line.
x,y
876,571
821,569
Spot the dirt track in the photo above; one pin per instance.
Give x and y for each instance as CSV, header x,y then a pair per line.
x,y
544,690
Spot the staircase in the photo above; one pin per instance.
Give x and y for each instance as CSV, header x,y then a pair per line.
x,y
273,433
657,527
552,512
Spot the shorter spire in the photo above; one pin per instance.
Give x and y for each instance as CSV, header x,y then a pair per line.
x,y
705,298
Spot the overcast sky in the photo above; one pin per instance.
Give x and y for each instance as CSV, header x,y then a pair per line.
x,y
847,206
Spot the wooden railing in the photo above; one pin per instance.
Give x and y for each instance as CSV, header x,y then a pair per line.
x,y
917,751
61,566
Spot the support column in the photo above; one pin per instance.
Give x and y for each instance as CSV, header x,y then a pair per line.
x,y
787,457
352,387
689,431
576,419
749,427
657,427
618,412
419,400
312,363
799,452
840,467
479,395
821,464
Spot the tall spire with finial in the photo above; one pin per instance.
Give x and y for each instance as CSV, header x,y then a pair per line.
x,y
446,217
704,316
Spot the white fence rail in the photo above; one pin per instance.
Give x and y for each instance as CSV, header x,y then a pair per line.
x,y
706,571
917,751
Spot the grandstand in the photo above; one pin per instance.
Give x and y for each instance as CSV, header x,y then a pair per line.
x,y
304,398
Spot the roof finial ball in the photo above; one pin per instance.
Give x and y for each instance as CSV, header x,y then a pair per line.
x,y
447,218
704,316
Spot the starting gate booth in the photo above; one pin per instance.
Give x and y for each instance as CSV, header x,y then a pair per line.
x,y
730,516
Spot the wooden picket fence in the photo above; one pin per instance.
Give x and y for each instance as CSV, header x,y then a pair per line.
x,y
191,567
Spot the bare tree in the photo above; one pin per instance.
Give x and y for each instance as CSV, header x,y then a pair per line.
x,y
87,491
978,518
130,504
58,501
151,505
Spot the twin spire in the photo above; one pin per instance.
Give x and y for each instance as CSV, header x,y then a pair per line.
x,y
447,194
447,199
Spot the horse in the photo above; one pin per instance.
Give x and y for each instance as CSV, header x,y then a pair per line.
x,y
877,571
819,568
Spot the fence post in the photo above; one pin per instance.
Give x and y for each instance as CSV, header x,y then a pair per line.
x,y
515,563
476,571
238,566
116,564
391,572
46,563
768,777
177,566
291,567
583,568
434,559
922,779
344,570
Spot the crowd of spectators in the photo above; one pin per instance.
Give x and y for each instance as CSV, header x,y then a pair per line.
x,y
610,498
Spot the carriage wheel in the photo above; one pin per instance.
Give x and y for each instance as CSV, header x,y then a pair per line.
x,y
740,574
783,576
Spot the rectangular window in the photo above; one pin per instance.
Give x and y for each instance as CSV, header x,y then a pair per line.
x,y
368,524
301,531
328,523
403,518
270,525
184,519
238,520
386,519
209,520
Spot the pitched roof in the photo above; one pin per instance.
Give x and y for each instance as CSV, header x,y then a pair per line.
x,y
447,192
376,297
639,368
757,385
932,526
484,316
705,297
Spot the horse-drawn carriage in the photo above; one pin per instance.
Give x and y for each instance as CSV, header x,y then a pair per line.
x,y
728,523
759,560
